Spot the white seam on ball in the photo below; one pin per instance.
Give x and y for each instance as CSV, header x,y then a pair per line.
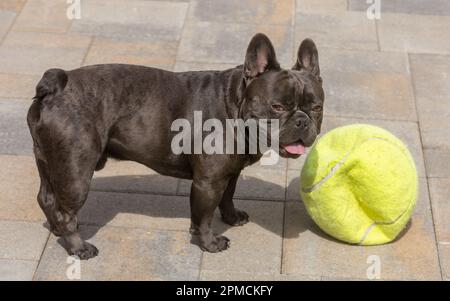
x,y
329,175
375,223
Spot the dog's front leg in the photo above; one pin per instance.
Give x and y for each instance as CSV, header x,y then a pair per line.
x,y
205,197
231,215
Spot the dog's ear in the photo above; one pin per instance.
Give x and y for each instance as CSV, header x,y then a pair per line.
x,y
260,57
308,57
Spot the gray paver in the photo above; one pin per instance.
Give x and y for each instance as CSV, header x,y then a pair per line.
x,y
126,254
17,270
22,240
143,20
414,33
15,138
415,7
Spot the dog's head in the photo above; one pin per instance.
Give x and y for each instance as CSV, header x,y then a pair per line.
x,y
293,96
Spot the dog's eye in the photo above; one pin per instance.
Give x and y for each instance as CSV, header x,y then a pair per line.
x,y
317,109
278,108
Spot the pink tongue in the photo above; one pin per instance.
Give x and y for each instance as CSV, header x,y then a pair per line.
x,y
295,148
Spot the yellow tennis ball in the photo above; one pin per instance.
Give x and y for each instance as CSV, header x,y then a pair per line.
x,y
359,184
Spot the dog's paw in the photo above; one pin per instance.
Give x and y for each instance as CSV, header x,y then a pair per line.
x,y
86,251
218,244
55,232
239,218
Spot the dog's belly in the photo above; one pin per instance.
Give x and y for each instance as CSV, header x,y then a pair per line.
x,y
164,163
147,141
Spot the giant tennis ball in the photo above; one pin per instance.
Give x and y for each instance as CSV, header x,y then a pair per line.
x,y
359,184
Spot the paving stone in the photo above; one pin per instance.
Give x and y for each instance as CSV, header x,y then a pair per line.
x,y
19,183
414,33
298,277
323,6
184,187
293,185
181,66
259,184
126,254
210,42
33,53
207,275
17,270
145,20
310,251
367,83
362,61
18,85
136,210
280,164
22,240
437,161
128,176
15,138
6,19
44,15
12,5
444,253
416,7
154,54
297,164
262,184
243,11
347,30
431,75
378,95
440,196
324,278
246,254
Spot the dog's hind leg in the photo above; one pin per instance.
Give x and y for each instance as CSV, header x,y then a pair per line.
x,y
67,149
64,191
66,165
46,197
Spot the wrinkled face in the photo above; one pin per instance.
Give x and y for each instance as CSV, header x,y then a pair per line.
x,y
293,97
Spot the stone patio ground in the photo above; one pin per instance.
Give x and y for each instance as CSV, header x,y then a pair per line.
x,y
393,72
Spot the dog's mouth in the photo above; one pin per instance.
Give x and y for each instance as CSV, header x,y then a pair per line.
x,y
293,150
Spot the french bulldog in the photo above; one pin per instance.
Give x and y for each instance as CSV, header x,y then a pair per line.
x,y
81,117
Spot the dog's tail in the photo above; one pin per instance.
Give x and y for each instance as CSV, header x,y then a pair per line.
x,y
52,82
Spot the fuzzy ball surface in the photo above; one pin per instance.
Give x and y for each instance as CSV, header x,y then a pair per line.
x,y
359,184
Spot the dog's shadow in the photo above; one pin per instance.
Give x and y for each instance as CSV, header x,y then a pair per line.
x,y
103,207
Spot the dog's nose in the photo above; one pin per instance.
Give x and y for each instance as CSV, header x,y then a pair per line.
x,y
302,120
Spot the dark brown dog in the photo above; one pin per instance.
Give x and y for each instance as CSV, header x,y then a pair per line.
x,y
79,118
